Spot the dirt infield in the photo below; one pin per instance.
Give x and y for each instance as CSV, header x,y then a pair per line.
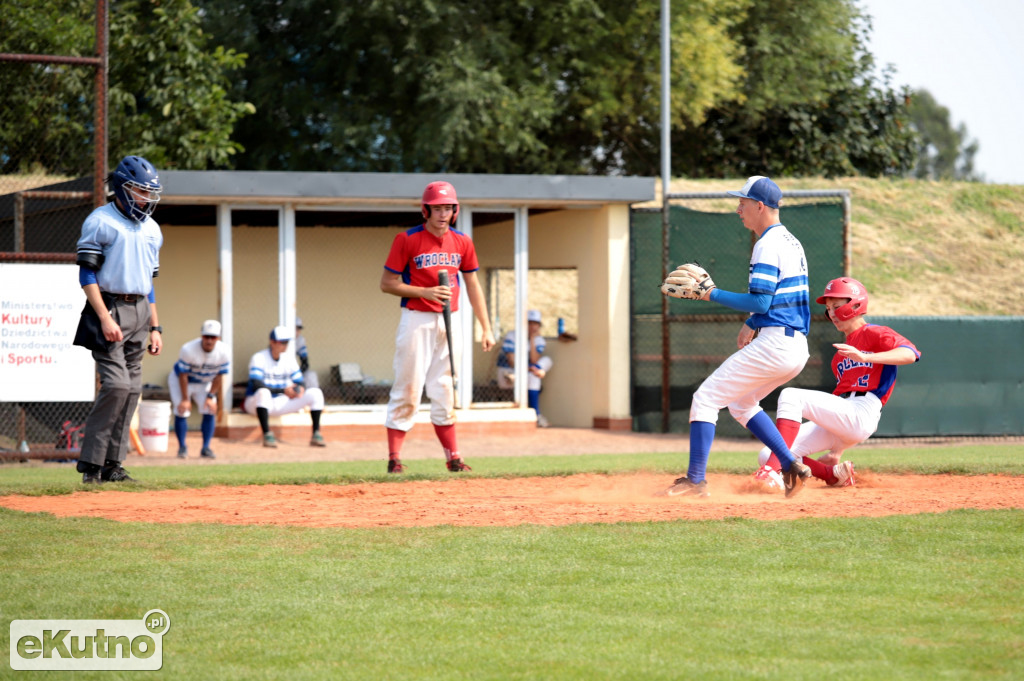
x,y
503,502
537,501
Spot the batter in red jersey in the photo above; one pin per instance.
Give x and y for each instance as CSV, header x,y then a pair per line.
x,y
865,370
411,272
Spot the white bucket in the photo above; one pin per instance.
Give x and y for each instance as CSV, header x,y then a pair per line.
x,y
154,423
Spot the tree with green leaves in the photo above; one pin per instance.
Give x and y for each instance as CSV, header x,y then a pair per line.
x,y
170,94
943,152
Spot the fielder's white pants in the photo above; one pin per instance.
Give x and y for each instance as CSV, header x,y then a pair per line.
x,y
421,361
507,375
196,393
282,404
834,423
749,374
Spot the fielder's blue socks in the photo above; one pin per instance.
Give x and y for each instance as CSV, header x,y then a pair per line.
x,y
181,429
207,426
764,430
702,434
533,400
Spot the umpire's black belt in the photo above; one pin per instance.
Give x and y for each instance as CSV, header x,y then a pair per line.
x,y
852,393
124,297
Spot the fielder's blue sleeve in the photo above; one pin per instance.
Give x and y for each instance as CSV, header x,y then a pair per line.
x,y
152,295
758,303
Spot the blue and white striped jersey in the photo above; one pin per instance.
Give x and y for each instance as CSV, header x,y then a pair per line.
x,y
778,267
275,374
201,366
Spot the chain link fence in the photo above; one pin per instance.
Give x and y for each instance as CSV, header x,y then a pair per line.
x,y
47,160
674,351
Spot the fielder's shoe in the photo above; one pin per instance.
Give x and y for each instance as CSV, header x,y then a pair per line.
x,y
115,473
269,440
317,440
844,474
182,452
793,479
207,453
682,487
457,465
771,478
395,466
542,422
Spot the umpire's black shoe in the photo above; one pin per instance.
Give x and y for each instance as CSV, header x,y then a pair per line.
x,y
90,473
115,473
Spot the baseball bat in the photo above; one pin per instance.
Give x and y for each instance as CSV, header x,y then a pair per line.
x,y
442,279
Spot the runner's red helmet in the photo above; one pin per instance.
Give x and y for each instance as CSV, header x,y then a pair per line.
x,y
439,194
846,287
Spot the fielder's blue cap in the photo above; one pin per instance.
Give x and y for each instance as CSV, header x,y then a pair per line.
x,y
281,334
760,188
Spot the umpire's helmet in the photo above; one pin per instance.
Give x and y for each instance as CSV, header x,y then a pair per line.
x,y
135,171
846,287
439,194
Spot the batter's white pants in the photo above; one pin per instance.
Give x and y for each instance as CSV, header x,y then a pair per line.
x,y
749,374
421,360
196,393
282,404
507,375
834,423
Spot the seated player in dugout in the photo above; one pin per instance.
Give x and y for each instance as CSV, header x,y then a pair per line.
x,y
539,363
865,370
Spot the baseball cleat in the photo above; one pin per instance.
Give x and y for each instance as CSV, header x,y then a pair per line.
x,y
844,475
395,466
542,422
91,478
683,487
269,440
317,440
207,453
771,478
794,478
457,465
182,452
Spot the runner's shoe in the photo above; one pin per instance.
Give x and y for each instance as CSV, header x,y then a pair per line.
x,y
457,465
395,466
844,474
771,478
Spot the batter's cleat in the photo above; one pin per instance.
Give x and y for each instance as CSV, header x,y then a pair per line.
x,y
207,453
844,475
269,440
794,478
457,465
317,440
395,466
182,452
682,487
115,474
771,478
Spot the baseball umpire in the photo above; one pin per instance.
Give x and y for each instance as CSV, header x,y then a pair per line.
x,y
865,371
118,256
411,271
772,342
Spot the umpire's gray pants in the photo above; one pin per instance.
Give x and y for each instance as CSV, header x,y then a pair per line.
x,y
107,430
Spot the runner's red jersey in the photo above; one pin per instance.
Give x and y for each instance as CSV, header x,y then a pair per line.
x,y
418,256
866,376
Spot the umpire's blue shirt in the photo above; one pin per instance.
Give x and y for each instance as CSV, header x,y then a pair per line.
x,y
131,250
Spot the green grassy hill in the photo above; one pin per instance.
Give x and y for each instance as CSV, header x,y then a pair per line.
x,y
924,248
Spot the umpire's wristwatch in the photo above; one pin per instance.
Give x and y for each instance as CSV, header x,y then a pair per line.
x,y
157,328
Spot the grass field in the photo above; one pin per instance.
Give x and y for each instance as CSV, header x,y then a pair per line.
x,y
902,597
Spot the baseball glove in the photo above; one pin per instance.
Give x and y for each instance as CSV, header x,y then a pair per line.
x,y
690,281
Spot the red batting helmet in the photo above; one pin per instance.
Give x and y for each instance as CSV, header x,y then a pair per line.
x,y
439,194
846,287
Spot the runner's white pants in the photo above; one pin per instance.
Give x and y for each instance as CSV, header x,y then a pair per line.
x,y
749,374
834,423
421,361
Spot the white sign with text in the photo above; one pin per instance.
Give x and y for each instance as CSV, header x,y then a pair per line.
x,y
39,310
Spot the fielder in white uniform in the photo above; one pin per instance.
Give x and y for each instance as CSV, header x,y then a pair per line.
x,y
540,364
197,377
275,387
865,371
310,377
772,342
